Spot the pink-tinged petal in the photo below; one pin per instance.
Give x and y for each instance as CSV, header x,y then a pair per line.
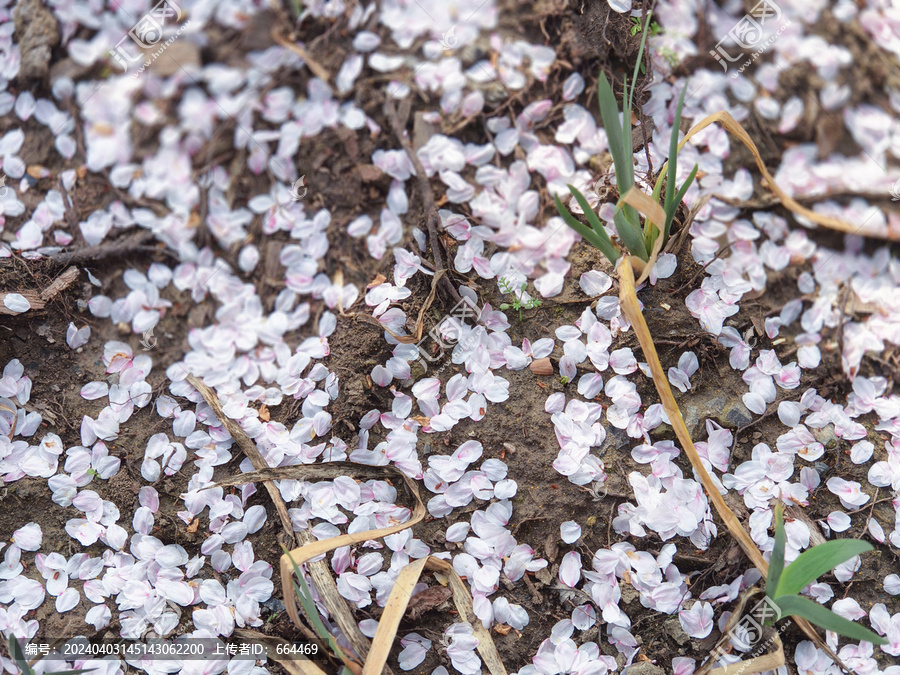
x,y
754,402
94,390
589,385
838,521
27,592
595,283
570,569
28,537
381,376
98,616
67,600
698,620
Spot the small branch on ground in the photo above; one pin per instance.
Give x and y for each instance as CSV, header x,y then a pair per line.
x,y
431,215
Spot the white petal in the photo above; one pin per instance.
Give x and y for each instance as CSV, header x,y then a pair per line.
x,y
67,600
16,303
570,531
98,616
570,569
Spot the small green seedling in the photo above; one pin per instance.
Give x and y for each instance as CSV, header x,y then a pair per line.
x,y
784,584
638,241
636,27
15,651
517,304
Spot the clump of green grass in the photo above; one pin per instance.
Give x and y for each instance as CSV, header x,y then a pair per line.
x,y
638,240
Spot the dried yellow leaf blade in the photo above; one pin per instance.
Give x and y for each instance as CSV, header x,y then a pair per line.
x,y
391,617
316,548
463,601
632,309
656,216
294,666
735,128
760,664
630,306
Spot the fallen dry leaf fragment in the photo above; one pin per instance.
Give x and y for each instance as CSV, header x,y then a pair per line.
x,y
427,600
542,366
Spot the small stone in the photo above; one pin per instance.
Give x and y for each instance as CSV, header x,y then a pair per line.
x,y
542,366
826,436
736,414
675,631
644,668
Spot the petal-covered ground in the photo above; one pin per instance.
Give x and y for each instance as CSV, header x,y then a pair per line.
x,y
339,216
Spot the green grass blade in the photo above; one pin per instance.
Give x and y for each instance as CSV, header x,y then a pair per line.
x,y
637,66
673,152
609,112
629,233
592,218
815,561
15,650
599,239
625,182
823,617
673,207
309,608
776,562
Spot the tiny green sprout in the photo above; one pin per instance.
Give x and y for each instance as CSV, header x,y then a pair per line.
x,y
564,380
517,304
636,28
784,584
15,651
637,240
92,472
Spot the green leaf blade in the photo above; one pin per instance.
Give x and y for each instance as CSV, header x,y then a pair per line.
x,y
609,113
823,617
679,196
629,232
673,152
814,562
15,650
776,561
599,240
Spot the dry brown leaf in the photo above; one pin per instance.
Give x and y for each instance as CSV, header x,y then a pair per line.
x,y
427,600
377,281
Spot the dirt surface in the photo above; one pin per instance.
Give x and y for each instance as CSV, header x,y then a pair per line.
x,y
518,431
